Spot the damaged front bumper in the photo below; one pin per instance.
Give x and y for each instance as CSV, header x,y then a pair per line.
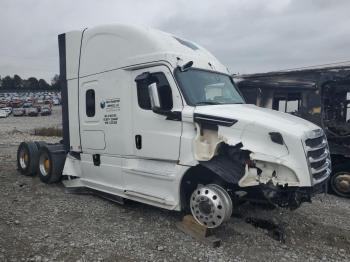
x,y
291,197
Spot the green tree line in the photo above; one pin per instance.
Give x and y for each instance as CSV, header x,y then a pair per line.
x,y
16,83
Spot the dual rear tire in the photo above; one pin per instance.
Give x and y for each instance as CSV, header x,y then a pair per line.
x,y
40,158
27,158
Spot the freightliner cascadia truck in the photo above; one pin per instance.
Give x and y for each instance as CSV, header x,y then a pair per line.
x,y
155,118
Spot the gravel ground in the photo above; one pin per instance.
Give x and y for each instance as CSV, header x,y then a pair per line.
x,y
40,222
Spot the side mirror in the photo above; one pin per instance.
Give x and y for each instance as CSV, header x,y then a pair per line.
x,y
154,96
155,104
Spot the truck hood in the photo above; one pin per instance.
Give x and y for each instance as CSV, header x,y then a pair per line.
x,y
247,114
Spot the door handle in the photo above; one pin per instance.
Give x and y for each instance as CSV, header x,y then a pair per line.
x,y
138,142
96,159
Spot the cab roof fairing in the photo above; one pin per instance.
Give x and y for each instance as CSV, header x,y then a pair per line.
x,y
110,47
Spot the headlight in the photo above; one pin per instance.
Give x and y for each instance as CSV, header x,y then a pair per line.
x,y
314,133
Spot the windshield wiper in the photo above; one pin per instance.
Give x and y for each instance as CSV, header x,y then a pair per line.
x,y
207,103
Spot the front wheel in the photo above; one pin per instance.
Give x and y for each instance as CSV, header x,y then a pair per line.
x,y
340,183
211,205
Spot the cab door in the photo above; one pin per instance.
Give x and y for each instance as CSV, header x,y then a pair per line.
x,y
156,136
150,174
91,124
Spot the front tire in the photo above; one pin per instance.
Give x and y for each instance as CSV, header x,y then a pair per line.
x,y
211,205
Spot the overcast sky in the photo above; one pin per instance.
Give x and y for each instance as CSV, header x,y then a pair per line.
x,y
247,35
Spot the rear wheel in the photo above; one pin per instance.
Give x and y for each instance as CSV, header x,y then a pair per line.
x,y
51,162
40,144
211,205
27,158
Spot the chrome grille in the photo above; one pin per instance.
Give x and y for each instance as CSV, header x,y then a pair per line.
x,y
318,156
312,142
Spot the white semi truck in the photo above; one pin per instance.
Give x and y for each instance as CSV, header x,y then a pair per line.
x,y
155,118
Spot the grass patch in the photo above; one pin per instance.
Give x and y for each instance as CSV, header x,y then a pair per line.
x,y
48,131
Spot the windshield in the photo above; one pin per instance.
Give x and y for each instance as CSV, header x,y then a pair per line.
x,y
202,87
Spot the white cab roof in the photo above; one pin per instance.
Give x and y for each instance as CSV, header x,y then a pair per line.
x,y
115,46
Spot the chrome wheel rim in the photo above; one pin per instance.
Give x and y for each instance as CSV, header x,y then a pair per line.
x,y
211,205
23,159
44,164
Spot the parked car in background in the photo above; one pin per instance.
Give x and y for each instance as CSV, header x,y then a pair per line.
x,y
8,110
38,107
19,111
33,111
56,102
3,114
17,103
27,105
46,110
48,103
17,99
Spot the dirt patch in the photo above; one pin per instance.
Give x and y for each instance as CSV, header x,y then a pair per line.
x,y
48,131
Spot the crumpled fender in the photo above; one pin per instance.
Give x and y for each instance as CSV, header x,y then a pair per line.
x,y
229,163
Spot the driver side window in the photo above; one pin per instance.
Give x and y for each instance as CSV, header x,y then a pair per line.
x,y
164,90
